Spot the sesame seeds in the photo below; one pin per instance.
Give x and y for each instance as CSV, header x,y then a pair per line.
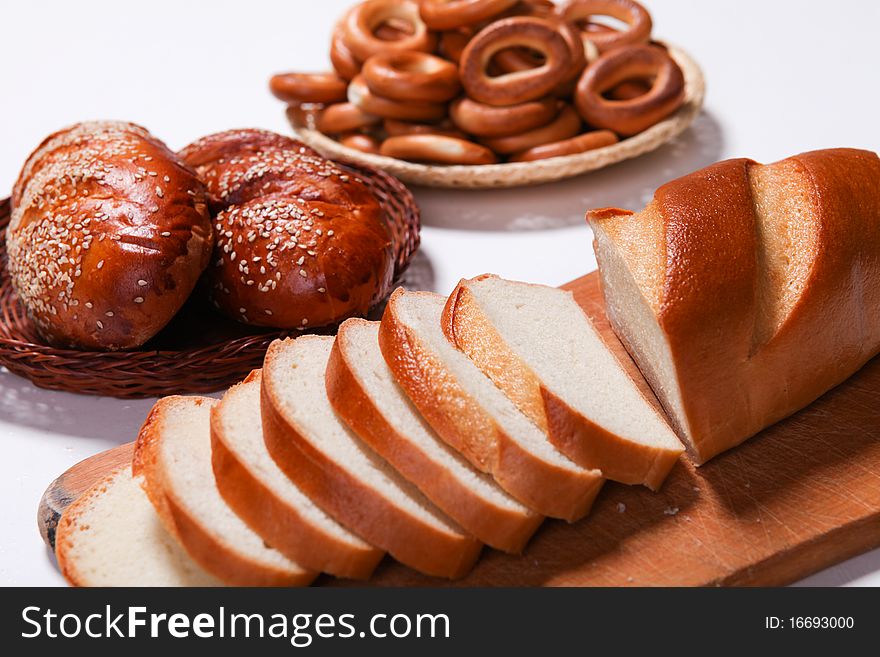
x,y
138,299
142,283
100,264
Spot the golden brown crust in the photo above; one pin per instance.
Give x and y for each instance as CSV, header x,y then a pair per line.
x,y
534,33
358,506
438,149
504,529
581,144
467,427
488,121
566,125
300,242
453,14
279,523
359,25
108,235
731,386
359,94
575,435
204,547
308,87
636,17
412,76
629,117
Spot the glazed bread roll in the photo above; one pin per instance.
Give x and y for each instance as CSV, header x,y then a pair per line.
x,y
746,291
109,233
300,243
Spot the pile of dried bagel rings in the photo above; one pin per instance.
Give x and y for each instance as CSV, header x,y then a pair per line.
x,y
481,81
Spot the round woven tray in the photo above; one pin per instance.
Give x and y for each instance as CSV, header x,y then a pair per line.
x,y
199,351
518,174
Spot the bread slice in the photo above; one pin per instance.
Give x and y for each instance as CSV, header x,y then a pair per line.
x,y
112,536
342,474
173,453
473,416
262,495
540,348
362,390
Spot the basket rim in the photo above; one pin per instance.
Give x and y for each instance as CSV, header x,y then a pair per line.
x,y
521,174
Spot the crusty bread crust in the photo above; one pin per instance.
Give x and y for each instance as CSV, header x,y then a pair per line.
x,y
354,504
575,435
464,424
733,377
281,525
108,236
205,547
504,529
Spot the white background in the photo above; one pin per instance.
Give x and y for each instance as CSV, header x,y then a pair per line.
x,y
783,77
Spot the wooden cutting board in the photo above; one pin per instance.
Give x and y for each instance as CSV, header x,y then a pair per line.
x,y
801,496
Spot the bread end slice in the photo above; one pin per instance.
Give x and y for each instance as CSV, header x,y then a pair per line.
x,y
112,536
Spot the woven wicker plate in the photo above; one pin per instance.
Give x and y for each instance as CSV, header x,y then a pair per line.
x,y
199,351
519,174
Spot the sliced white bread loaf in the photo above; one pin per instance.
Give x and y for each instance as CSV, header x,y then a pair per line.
x,y
473,416
112,536
342,474
173,456
745,291
270,503
363,391
540,348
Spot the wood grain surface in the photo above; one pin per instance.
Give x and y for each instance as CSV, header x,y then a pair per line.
x,y
801,496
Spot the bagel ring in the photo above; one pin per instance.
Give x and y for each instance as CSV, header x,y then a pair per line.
x,y
344,117
344,63
308,87
629,89
587,141
564,126
437,149
360,142
630,12
393,30
488,121
453,43
411,76
359,94
629,117
514,88
451,14
304,115
361,22
395,128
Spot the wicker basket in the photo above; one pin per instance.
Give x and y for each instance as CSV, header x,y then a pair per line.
x,y
199,351
519,174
